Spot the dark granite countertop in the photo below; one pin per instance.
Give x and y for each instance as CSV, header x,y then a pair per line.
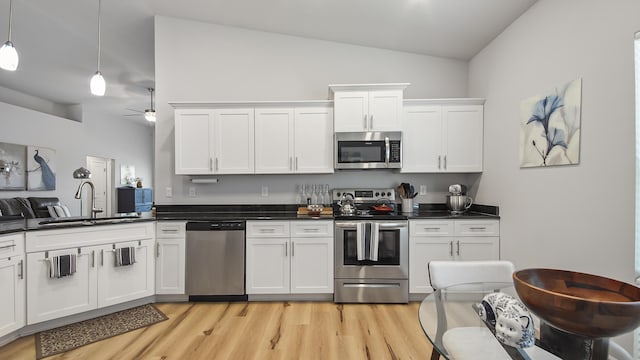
x,y
289,212
19,225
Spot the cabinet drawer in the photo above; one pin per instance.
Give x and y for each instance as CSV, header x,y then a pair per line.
x,y
477,228
431,228
170,229
11,245
267,229
313,228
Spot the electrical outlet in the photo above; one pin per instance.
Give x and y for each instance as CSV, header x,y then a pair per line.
x,y
423,190
192,191
168,192
265,191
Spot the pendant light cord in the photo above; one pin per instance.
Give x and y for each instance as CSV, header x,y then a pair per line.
x,y
10,16
99,44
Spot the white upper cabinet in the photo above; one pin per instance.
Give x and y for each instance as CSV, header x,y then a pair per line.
x,y
294,140
368,107
313,130
214,141
442,137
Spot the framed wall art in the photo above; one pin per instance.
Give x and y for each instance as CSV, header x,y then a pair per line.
x,y
550,127
12,166
41,173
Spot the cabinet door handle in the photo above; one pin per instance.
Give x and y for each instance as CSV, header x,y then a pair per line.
x,y
370,122
285,250
102,257
210,164
157,249
445,162
216,165
290,163
293,247
21,273
458,249
8,246
296,163
93,258
365,121
451,248
439,157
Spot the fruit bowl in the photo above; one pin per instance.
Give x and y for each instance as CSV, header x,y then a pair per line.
x,y
582,304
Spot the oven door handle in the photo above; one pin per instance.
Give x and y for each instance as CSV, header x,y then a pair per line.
x,y
375,240
399,225
360,241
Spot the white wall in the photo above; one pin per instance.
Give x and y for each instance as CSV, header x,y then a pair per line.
x,y
573,217
197,61
115,138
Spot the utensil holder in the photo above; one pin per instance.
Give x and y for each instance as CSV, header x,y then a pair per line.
x,y
407,205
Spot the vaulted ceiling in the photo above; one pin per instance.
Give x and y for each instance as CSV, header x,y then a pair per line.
x,y
57,40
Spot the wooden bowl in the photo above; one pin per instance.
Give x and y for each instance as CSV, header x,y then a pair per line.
x,y
582,304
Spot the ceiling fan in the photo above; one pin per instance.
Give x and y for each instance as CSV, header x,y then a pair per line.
x,y
149,114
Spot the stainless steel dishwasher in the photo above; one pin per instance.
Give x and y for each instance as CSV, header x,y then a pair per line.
x,y
215,259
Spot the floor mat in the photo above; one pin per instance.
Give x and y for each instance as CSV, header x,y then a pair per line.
x,y
72,336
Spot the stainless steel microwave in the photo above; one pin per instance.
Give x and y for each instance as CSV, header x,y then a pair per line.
x,y
368,150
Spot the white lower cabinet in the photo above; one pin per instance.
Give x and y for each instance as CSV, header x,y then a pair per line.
x,y
12,283
290,257
448,240
170,257
97,282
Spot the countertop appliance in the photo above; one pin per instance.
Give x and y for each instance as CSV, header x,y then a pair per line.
x,y
457,200
371,249
368,150
215,261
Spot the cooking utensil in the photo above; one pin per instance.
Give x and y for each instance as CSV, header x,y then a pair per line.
x,y
382,208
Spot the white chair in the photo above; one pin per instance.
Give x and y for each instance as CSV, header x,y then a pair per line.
x,y
443,274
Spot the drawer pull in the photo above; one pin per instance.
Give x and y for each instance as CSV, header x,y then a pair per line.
x,y
431,228
8,246
311,230
267,230
169,230
480,228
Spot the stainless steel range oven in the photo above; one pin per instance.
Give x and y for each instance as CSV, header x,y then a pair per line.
x,y
371,253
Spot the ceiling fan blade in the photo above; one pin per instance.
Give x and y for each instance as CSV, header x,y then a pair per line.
x,y
134,110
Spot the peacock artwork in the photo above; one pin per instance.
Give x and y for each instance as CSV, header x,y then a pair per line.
x,y
41,168
550,127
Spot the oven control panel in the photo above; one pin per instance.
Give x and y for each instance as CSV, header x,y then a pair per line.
x,y
366,195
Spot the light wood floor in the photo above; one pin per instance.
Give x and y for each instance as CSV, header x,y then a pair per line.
x,y
261,330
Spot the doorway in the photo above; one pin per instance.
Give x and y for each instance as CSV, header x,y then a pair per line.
x,y
102,179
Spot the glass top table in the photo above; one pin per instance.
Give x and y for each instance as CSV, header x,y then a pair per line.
x,y
456,331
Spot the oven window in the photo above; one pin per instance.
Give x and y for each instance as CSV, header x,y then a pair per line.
x,y
360,151
388,248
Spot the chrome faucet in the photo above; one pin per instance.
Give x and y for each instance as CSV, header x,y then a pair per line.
x,y
84,174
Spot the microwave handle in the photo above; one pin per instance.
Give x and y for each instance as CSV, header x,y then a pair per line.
x,y
387,151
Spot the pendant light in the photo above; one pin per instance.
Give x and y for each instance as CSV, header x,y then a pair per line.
x,y
150,114
97,84
8,53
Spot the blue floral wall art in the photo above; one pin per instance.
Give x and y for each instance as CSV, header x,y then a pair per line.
x,y
550,127
41,168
